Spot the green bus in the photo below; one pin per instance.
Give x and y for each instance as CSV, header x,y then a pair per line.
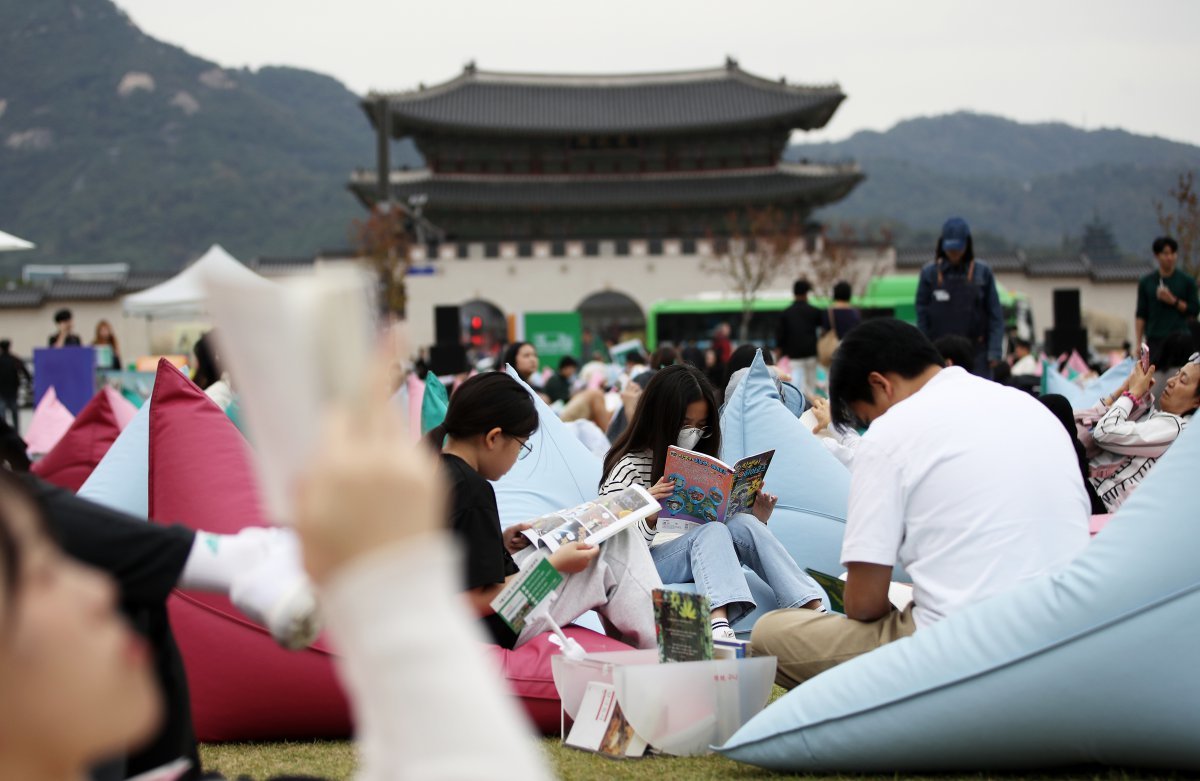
x,y
682,320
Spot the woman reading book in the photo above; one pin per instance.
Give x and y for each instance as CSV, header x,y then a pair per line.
x,y
487,428
679,408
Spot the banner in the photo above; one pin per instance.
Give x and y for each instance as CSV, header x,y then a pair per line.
x,y
553,335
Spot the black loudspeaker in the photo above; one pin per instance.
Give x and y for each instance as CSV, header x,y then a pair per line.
x,y
447,359
447,325
1066,310
1064,340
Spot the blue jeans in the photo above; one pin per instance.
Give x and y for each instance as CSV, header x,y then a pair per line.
x,y
712,556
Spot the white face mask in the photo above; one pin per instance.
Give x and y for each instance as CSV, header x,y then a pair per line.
x,y
689,438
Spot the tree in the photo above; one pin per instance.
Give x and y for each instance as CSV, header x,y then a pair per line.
x,y
762,244
383,242
834,259
1179,217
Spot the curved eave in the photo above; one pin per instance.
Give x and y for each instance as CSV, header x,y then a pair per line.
x,y
698,190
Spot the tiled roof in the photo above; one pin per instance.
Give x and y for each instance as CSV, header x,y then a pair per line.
x,y
82,290
140,280
917,257
717,98
281,265
21,297
1055,266
785,182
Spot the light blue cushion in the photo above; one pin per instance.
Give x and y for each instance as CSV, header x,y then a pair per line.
x,y
1086,396
813,487
559,473
121,480
1096,664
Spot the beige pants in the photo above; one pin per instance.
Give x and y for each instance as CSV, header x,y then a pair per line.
x,y
808,643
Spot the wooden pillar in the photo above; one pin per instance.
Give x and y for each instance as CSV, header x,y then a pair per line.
x,y
383,163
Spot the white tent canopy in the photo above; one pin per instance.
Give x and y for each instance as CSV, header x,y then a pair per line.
x,y
185,294
11,242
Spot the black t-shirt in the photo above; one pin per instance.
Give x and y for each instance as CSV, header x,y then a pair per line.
x,y
475,520
72,340
796,335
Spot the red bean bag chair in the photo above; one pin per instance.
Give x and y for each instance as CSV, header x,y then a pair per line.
x,y
244,686
89,437
527,670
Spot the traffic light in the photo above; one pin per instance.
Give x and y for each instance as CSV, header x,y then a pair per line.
x,y
476,334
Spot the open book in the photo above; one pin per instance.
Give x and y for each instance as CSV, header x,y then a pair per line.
x,y
593,521
707,489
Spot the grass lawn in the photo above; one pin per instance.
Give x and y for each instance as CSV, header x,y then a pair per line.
x,y
335,760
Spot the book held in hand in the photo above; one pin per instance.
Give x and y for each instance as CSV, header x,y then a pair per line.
x,y
683,626
707,490
525,592
594,521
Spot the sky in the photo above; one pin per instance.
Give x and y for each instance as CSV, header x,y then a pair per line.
x,y
1100,63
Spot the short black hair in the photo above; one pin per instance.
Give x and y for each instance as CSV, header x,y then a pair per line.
x,y
801,288
1019,342
62,315
1162,242
567,362
743,356
883,345
956,350
841,291
5,345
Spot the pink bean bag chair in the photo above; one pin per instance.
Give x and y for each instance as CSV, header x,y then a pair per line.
x,y
89,437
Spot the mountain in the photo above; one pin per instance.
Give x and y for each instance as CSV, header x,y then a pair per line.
x,y
117,147
1027,185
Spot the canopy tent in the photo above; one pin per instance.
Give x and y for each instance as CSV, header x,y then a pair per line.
x,y
11,242
184,295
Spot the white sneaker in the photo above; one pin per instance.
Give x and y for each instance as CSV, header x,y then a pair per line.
x,y
277,594
724,633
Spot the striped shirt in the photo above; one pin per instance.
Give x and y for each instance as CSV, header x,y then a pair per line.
x,y
634,469
1131,448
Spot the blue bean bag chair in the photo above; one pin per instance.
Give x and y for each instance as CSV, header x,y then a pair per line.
x,y
1087,395
120,481
1096,664
813,487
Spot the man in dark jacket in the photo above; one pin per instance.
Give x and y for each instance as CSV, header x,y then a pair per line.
x,y
956,296
796,337
12,371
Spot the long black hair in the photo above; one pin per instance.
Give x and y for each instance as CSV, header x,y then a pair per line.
x,y
484,402
510,357
659,417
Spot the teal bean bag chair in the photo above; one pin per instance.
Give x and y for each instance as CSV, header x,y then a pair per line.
x,y
120,481
1096,664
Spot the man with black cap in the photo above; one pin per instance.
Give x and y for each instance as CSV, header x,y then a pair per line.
x,y
956,296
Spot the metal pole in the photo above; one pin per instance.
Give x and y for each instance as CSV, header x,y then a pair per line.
x,y
383,165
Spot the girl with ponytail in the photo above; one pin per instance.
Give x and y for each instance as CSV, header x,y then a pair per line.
x,y
489,426
679,407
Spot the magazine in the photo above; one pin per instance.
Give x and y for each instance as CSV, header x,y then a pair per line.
x,y
683,626
593,521
707,489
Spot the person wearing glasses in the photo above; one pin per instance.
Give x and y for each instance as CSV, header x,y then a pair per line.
x,y
679,407
1132,434
487,429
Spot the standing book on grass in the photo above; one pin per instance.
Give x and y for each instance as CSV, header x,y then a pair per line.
x,y
708,490
683,626
600,726
594,521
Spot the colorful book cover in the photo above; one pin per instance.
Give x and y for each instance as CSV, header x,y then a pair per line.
x,y
834,587
683,626
707,489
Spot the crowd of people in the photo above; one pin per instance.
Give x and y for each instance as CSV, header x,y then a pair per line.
x,y
971,485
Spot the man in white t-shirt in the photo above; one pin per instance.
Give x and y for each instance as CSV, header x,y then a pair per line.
x,y
972,487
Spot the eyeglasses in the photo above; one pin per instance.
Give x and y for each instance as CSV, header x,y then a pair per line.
x,y
526,448
705,431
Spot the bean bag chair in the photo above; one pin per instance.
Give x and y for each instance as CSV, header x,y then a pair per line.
x,y
559,473
244,686
813,487
50,422
120,481
1096,664
1087,395
91,434
527,670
